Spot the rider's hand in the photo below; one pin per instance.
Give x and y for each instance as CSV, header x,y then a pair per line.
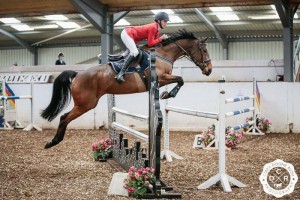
x,y
164,37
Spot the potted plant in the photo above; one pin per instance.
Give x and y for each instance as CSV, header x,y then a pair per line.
x,y
232,137
140,182
102,149
208,136
262,123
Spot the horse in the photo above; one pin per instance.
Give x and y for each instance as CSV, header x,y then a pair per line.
x,y
87,87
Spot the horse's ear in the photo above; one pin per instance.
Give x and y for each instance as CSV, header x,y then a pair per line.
x,y
203,39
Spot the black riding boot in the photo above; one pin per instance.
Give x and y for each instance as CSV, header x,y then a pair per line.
x,y
124,68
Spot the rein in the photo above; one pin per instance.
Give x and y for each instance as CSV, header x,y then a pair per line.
x,y
190,57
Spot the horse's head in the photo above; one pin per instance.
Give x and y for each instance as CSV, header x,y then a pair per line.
x,y
190,47
199,55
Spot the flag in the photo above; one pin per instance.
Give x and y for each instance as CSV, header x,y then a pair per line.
x,y
9,92
257,95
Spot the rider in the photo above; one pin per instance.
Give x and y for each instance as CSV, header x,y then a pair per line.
x,y
134,34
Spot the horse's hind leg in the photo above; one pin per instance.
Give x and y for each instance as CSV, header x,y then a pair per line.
x,y
63,123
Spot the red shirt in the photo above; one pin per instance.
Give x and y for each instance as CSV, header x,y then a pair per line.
x,y
148,31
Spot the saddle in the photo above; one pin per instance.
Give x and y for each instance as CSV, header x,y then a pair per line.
x,y
140,64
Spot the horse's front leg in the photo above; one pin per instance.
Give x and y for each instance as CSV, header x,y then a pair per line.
x,y
167,79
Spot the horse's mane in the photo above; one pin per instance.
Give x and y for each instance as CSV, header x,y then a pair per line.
x,y
180,34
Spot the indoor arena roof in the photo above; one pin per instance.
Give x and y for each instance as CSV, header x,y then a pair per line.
x,y
253,19
42,7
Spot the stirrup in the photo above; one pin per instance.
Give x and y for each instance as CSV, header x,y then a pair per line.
x,y
120,78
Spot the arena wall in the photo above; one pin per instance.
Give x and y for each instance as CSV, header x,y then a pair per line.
x,y
260,50
279,103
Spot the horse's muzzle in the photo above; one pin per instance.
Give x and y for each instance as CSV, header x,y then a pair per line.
x,y
207,70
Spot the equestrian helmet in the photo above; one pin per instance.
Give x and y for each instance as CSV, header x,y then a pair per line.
x,y
161,16
60,54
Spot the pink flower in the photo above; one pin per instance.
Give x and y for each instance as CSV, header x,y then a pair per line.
x,y
95,146
150,186
137,175
146,182
131,190
131,168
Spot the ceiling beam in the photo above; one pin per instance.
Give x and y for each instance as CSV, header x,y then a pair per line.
x,y
18,40
221,37
94,11
119,15
282,9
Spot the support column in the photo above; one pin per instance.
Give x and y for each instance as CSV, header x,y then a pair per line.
x,y
288,50
107,39
286,13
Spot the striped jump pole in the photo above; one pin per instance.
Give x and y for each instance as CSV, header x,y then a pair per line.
x,y
244,125
253,129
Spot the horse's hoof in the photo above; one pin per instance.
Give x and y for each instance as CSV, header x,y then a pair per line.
x,y
164,95
48,145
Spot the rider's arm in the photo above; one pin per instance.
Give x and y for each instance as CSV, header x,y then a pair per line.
x,y
153,38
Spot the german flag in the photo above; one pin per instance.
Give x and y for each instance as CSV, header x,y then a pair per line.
x,y
9,92
257,96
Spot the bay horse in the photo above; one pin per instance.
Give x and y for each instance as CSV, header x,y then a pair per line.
x,y
88,86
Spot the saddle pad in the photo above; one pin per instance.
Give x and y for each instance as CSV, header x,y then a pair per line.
x,y
143,65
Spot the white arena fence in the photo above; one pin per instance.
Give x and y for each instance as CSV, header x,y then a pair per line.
x,y
13,118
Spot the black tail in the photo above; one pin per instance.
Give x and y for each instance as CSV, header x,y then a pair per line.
x,y
60,95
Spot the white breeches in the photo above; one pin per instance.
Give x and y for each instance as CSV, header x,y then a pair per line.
x,y
129,43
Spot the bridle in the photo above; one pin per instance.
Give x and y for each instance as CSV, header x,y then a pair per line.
x,y
190,56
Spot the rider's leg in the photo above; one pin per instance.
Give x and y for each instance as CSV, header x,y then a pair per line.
x,y
130,44
125,53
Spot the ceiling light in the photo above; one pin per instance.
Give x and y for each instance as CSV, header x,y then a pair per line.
x,y
10,20
22,27
68,24
220,9
122,22
168,11
55,17
264,16
228,17
50,26
175,19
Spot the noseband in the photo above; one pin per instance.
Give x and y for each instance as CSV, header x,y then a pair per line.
x,y
190,57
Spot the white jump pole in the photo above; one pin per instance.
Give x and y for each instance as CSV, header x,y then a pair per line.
x,y
222,176
166,152
30,126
